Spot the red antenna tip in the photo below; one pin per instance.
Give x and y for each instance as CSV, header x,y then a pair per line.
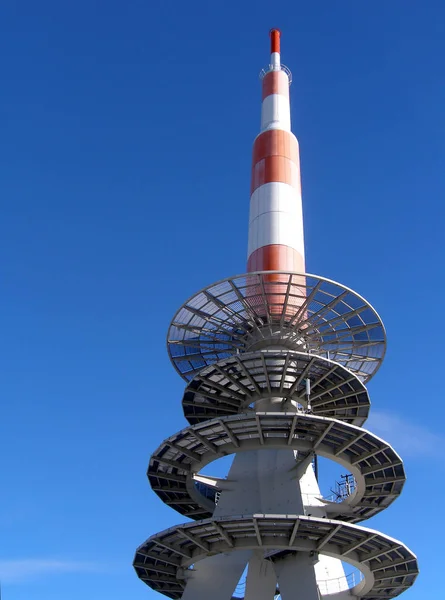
x,y
275,35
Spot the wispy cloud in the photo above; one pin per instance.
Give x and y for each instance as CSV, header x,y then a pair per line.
x,y
408,438
17,571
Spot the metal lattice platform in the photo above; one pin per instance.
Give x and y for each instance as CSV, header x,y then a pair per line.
x,y
377,468
273,308
388,566
237,383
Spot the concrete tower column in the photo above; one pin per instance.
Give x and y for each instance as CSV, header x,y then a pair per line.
x,y
296,577
216,577
261,579
261,482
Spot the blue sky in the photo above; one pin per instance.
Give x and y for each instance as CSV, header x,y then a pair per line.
x,y
126,133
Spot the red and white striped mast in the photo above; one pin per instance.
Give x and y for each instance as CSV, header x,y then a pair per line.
x,y
276,238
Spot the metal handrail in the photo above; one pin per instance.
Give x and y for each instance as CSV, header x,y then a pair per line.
x,y
284,68
325,587
334,498
339,584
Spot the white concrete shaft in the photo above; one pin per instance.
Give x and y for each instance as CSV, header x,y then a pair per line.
x,y
261,482
311,494
269,481
216,577
296,577
328,570
261,580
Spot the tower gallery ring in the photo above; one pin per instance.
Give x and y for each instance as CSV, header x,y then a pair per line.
x,y
238,383
377,468
237,315
388,566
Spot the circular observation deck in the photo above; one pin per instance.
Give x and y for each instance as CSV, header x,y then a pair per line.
x,y
241,382
276,309
377,468
388,566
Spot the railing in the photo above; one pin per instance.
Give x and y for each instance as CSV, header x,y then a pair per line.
x,y
214,494
340,584
288,72
325,588
208,491
308,498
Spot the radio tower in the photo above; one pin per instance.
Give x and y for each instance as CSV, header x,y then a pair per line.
x,y
276,363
